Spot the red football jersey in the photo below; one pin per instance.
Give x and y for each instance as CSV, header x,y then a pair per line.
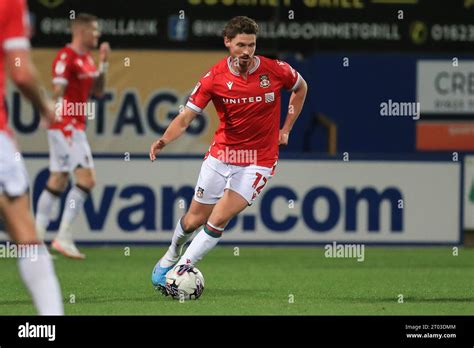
x,y
249,110
77,71
14,34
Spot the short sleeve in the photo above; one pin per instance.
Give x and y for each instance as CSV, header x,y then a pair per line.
x,y
62,69
15,26
289,76
201,94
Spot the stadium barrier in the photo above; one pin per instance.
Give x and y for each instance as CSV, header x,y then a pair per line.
x,y
308,201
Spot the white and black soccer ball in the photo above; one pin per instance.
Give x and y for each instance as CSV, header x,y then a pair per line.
x,y
184,282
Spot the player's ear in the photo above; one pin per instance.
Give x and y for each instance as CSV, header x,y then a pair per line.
x,y
226,42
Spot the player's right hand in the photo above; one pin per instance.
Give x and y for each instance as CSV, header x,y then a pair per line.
x,y
104,51
48,113
156,148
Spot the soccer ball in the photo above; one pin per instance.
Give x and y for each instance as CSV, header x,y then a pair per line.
x,y
184,282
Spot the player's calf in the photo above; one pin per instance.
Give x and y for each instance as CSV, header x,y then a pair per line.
x,y
167,262
231,204
64,242
181,235
204,242
48,199
35,265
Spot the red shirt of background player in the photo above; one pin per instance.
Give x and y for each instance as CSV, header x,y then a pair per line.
x,y
77,71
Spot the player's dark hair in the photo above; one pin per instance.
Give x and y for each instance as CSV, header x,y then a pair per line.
x,y
240,25
83,18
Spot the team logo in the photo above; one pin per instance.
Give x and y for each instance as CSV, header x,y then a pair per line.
x,y
200,192
264,81
64,160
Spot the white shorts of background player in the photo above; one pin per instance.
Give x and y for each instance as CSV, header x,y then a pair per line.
x,y
68,153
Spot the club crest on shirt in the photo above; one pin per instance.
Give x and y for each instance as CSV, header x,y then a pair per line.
x,y
199,192
64,160
264,81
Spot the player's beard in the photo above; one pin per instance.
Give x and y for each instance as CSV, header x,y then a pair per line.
x,y
245,64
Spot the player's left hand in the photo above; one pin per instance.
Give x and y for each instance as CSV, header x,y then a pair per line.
x,y
104,51
156,148
283,138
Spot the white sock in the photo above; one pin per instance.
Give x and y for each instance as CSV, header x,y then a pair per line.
x,y
38,274
204,241
177,243
45,206
74,203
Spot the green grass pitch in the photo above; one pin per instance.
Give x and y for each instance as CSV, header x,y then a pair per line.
x,y
262,281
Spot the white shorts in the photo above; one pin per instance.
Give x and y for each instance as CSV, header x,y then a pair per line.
x,y
67,154
13,176
216,176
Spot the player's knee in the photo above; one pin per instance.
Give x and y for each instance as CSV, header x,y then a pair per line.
x,y
58,181
86,181
92,182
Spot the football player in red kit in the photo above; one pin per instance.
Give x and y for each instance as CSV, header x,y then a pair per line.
x,y
245,90
75,78
34,262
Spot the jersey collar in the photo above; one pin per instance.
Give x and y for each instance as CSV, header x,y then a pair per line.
x,y
236,73
76,51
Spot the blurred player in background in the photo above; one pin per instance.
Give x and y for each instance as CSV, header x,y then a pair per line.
x,y
245,90
37,271
75,78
